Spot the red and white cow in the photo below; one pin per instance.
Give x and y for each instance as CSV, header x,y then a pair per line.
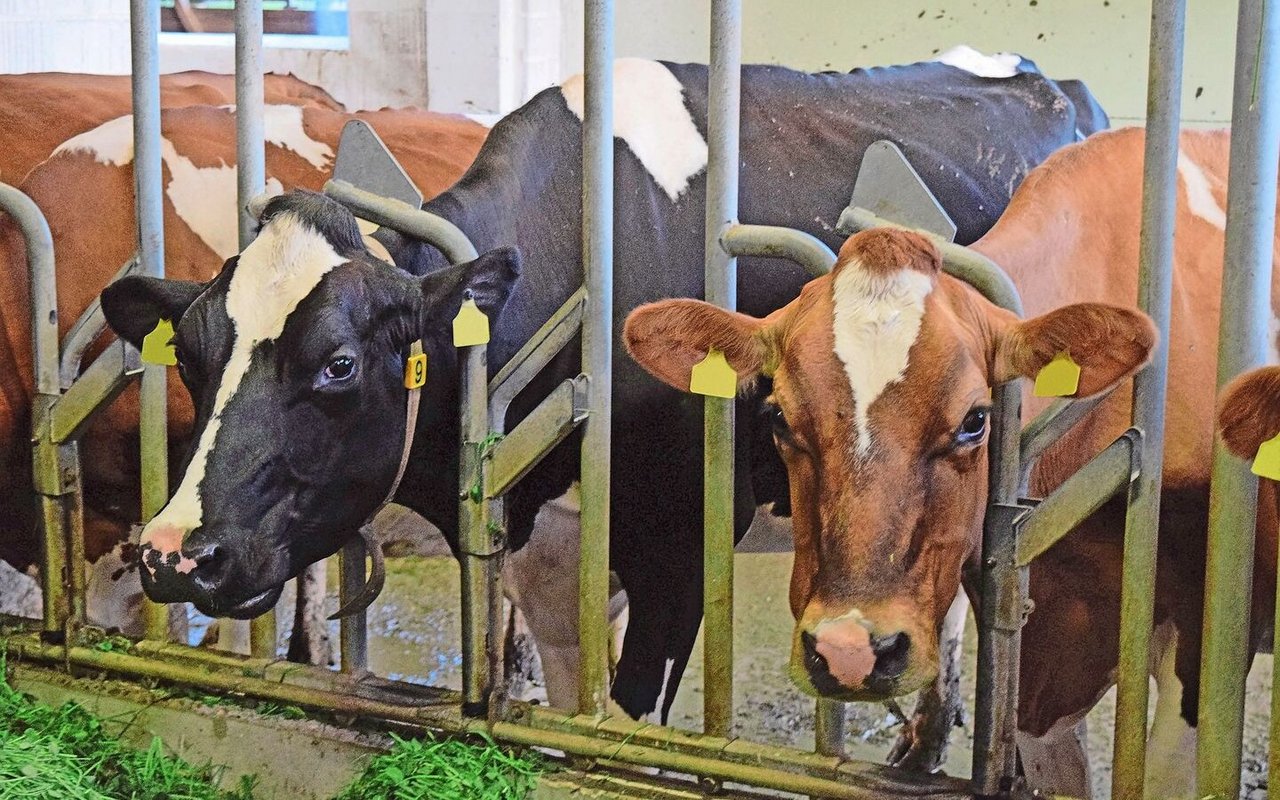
x,y
881,375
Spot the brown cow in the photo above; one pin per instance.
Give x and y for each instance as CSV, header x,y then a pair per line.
x,y
86,191
881,376
39,111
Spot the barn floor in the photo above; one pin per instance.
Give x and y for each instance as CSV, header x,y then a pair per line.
x,y
414,636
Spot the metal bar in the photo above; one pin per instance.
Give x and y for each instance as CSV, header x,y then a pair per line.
x,y
772,241
958,261
434,230
101,383
153,432
829,728
1242,344
473,529
353,631
1079,496
87,329
724,98
1052,424
43,282
536,353
536,435
597,357
1155,288
717,759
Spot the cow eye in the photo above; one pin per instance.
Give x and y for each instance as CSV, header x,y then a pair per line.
x,y
340,368
973,427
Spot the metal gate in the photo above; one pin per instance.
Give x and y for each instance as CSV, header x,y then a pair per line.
x,y
1016,530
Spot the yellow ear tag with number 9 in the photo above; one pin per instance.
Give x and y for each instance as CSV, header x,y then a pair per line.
x,y
1266,463
415,371
1059,378
471,326
714,377
157,346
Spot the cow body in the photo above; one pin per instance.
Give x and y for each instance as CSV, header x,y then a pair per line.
x,y
92,240
39,111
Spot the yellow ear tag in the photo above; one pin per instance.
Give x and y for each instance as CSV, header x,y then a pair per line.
x,y
471,326
1059,378
157,346
713,376
1266,463
415,371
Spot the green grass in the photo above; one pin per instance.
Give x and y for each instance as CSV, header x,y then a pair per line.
x,y
446,769
64,754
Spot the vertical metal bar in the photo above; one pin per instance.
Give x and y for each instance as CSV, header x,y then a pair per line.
x,y
153,425
1242,344
251,177
597,357
724,97
1003,589
1155,287
353,634
473,531
829,728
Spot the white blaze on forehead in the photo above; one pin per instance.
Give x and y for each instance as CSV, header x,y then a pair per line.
x,y
1200,199
650,116
999,65
275,273
876,321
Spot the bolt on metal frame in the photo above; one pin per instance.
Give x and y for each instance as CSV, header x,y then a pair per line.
x,y
1015,531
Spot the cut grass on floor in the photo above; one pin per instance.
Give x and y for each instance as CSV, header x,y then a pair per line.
x,y
446,769
64,754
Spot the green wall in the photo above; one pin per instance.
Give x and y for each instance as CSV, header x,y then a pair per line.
x,y
1104,42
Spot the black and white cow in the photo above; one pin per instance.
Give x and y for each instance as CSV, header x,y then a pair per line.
x,y
294,352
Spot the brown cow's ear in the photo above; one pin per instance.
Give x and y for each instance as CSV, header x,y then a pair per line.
x,y
1249,411
1109,343
668,337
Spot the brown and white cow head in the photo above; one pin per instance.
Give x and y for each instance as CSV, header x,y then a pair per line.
x,y
294,357
882,374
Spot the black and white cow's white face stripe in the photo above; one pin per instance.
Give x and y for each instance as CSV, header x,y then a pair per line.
x,y
281,267
294,356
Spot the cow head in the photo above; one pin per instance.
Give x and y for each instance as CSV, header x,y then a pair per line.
x,y
294,356
881,396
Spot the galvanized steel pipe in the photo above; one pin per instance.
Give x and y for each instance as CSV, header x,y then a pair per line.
x,y
1242,344
597,356
1155,288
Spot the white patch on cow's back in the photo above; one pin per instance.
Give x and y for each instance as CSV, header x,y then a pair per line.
x,y
284,128
649,114
275,272
1200,199
110,143
876,321
998,65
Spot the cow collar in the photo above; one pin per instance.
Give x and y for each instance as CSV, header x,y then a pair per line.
x,y
378,573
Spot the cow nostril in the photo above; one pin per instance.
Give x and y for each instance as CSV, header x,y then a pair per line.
x,y
205,555
892,654
813,660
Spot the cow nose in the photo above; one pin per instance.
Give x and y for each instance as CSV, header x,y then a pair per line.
x,y
845,655
206,564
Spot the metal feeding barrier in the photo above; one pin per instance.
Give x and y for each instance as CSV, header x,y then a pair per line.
x,y
369,182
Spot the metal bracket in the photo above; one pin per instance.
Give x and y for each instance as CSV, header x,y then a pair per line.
x,y
536,353
364,161
547,426
890,188
93,391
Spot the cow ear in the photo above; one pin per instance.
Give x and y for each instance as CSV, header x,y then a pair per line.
x,y
1249,411
1108,343
488,280
134,304
669,337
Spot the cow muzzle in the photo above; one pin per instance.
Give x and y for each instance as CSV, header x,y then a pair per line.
x,y
174,571
850,658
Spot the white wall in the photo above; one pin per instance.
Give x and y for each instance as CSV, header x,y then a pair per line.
x,y
64,36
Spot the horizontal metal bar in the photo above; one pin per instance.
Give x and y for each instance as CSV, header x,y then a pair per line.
x,y
1052,424
1079,496
547,426
86,330
399,215
773,241
105,378
958,261
778,768
536,353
